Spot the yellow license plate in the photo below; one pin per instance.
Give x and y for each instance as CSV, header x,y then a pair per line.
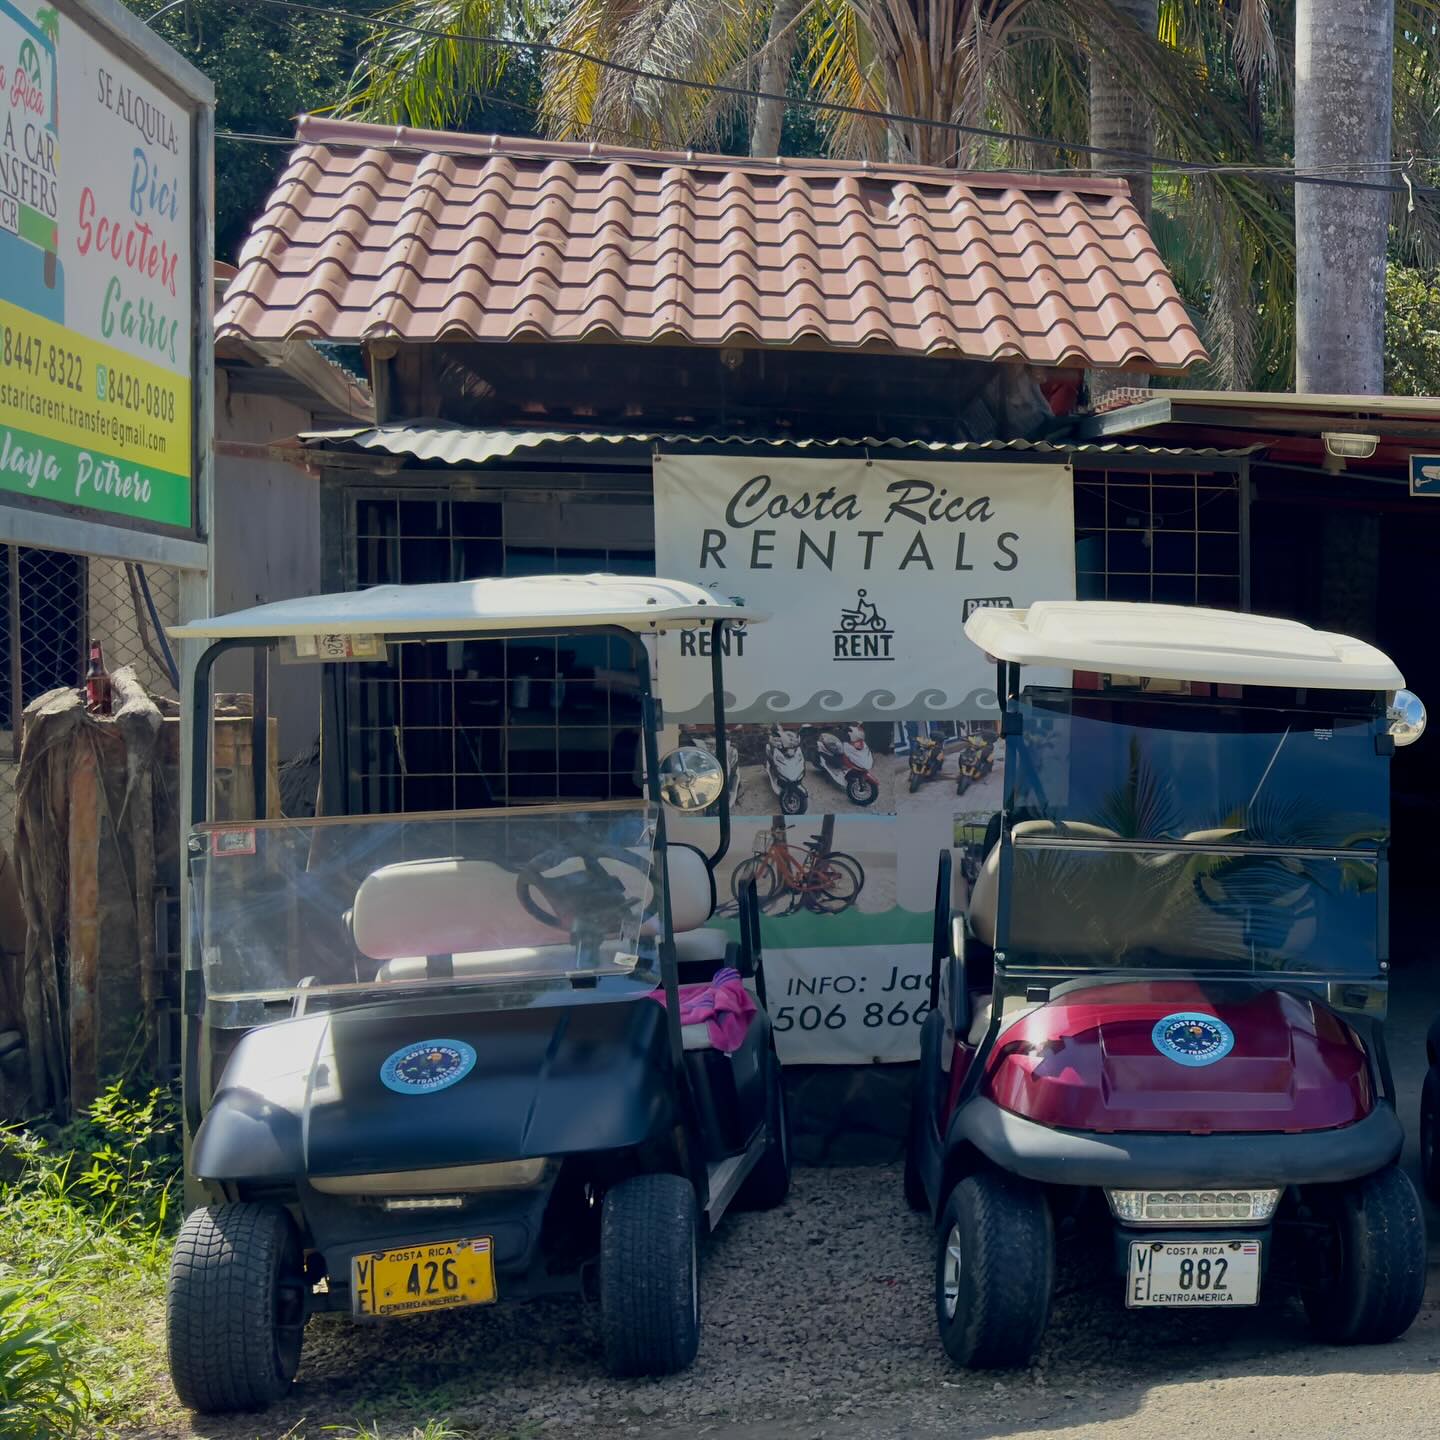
x,y
423,1277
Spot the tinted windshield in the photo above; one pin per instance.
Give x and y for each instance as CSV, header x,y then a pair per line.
x,y
546,898
1078,905
1200,772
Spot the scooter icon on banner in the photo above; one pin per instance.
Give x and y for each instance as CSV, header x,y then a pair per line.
x,y
863,617
864,633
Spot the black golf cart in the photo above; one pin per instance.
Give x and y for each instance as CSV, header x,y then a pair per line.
x,y
434,1046
1159,1023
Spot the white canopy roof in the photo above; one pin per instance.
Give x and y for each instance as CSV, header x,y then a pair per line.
x,y
529,602
1179,642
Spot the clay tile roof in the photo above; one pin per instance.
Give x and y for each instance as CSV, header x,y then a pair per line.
x,y
376,232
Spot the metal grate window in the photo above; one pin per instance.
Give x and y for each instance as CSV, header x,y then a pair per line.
x,y
42,639
1175,539
467,724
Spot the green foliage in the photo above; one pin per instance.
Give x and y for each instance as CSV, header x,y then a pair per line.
x,y
133,1161
42,1393
269,66
431,1430
85,1221
1412,331
437,81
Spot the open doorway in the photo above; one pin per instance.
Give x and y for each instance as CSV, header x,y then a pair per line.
x,y
1360,558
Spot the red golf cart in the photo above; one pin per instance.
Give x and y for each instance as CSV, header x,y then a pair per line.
x,y
1158,1021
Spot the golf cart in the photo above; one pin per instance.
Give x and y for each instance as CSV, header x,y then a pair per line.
x,y
1159,1023
439,1042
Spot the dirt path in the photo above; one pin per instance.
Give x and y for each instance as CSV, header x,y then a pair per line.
x,y
818,1323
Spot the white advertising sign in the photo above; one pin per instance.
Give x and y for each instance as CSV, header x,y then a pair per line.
x,y
868,569
865,736
96,291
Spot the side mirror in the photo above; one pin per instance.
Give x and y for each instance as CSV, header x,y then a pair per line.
x,y
691,780
1405,717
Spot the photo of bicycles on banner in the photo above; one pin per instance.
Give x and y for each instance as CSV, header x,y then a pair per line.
x,y
793,874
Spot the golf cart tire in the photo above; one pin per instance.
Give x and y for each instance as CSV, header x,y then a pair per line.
x,y
1430,1134
228,1346
767,1185
1006,1273
649,1276
1381,1284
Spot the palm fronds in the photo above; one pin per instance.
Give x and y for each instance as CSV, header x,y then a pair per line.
x,y
430,79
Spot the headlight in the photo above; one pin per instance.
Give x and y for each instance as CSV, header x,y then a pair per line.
x,y
1203,1207
448,1182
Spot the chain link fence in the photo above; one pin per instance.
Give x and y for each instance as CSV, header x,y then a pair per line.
x,y
52,604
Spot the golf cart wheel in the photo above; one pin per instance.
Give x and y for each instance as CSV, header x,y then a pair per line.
x,y
793,800
650,1276
1379,1283
234,1308
767,1185
862,790
994,1271
1430,1134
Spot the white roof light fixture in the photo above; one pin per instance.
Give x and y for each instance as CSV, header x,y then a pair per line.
x,y
1345,445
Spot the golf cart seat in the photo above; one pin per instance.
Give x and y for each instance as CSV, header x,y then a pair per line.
x,y
983,909
408,912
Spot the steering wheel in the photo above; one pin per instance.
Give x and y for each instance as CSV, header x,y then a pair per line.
x,y
590,897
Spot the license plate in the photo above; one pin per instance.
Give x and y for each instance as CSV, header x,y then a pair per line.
x,y
1213,1273
423,1277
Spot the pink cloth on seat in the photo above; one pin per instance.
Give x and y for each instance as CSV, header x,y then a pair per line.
x,y
724,1005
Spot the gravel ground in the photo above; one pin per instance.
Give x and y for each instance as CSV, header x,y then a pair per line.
x,y
818,1323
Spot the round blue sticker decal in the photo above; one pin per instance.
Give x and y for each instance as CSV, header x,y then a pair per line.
x,y
1191,1038
428,1066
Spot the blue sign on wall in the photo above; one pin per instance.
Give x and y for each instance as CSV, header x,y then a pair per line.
x,y
1425,474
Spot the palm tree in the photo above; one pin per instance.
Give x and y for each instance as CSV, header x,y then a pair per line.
x,y
428,76
1344,53
1119,118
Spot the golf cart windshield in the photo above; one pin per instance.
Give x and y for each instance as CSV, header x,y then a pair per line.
x,y
548,899
1195,835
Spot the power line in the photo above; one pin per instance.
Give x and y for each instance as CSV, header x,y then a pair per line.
x,y
546,47
1273,173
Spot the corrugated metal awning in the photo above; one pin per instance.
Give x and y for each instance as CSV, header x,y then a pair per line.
x,y
462,445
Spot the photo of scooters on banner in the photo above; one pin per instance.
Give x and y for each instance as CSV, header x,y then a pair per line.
x,y
833,767
936,762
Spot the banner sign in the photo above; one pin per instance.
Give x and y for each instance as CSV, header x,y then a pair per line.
x,y
867,736
96,297
868,570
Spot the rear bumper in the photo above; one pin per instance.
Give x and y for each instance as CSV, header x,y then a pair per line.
x,y
1069,1157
